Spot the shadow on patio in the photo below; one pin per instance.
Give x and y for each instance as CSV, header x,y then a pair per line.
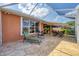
x,y
20,48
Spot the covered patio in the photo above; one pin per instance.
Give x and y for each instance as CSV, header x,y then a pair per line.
x,y
47,15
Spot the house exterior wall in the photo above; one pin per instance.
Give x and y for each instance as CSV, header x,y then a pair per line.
x,y
41,26
10,27
0,29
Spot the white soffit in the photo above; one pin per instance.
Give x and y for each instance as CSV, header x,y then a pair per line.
x,y
2,4
6,4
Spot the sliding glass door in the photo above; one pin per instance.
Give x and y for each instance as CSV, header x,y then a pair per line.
x,y
29,26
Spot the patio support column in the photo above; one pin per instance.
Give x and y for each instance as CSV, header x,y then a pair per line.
x,y
29,27
0,29
35,27
50,30
77,25
40,26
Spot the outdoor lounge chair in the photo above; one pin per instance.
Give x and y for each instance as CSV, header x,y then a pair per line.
x,y
34,39
41,35
31,38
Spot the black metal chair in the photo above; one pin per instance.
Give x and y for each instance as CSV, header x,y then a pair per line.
x,y
61,33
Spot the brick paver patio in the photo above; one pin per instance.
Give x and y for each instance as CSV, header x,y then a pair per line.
x,y
31,49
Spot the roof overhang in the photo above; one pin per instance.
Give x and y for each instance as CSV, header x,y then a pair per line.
x,y
57,24
6,4
10,11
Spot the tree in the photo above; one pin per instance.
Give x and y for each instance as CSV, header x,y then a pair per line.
x,y
71,30
71,23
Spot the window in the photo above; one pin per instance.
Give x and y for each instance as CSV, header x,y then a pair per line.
x,y
32,29
29,26
24,25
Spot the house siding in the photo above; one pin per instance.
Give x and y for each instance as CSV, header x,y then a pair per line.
x,y
10,27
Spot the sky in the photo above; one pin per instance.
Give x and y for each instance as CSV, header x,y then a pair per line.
x,y
40,10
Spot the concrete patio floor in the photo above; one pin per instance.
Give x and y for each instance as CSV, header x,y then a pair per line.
x,y
30,49
66,48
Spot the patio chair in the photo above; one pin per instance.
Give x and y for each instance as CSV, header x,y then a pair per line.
x,y
41,35
26,36
34,39
55,33
31,38
61,33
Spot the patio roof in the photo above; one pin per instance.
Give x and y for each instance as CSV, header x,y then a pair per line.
x,y
63,8
10,11
49,13
73,13
43,11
